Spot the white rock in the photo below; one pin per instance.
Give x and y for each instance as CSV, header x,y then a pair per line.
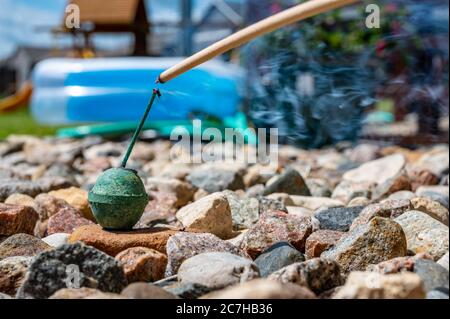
x,y
378,171
313,203
211,214
371,285
56,240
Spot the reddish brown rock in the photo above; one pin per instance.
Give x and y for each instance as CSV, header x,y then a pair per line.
x,y
142,264
320,241
398,183
77,198
422,178
66,221
16,219
399,264
113,243
274,227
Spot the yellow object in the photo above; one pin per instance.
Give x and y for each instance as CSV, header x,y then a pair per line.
x,y
21,98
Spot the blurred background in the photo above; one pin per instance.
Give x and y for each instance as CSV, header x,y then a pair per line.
x,y
322,81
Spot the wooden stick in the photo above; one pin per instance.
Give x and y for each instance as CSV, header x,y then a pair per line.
x,y
282,19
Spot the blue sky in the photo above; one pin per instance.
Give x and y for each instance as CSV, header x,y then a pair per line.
x,y
22,22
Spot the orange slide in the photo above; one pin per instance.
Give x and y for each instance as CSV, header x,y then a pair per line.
x,y
21,98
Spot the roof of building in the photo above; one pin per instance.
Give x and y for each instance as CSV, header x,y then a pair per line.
x,y
109,12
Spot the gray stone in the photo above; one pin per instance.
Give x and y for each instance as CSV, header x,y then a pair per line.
x,y
379,240
22,245
182,246
338,218
262,289
13,186
437,197
5,296
345,191
141,290
278,256
217,270
432,208
290,182
317,274
216,180
424,233
444,261
188,291
438,294
267,205
274,227
12,273
50,272
318,188
244,212
433,275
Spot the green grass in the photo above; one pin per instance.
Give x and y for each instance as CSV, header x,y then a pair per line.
x,y
22,122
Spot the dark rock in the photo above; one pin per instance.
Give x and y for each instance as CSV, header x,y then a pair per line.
x,y
338,218
14,186
432,274
316,274
278,256
53,183
216,180
290,182
188,291
49,272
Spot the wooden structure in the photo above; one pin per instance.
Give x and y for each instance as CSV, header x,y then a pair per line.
x,y
112,16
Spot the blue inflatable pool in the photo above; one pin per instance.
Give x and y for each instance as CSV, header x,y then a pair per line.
x,y
74,91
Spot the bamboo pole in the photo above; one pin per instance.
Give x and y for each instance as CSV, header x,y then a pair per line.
x,y
282,19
